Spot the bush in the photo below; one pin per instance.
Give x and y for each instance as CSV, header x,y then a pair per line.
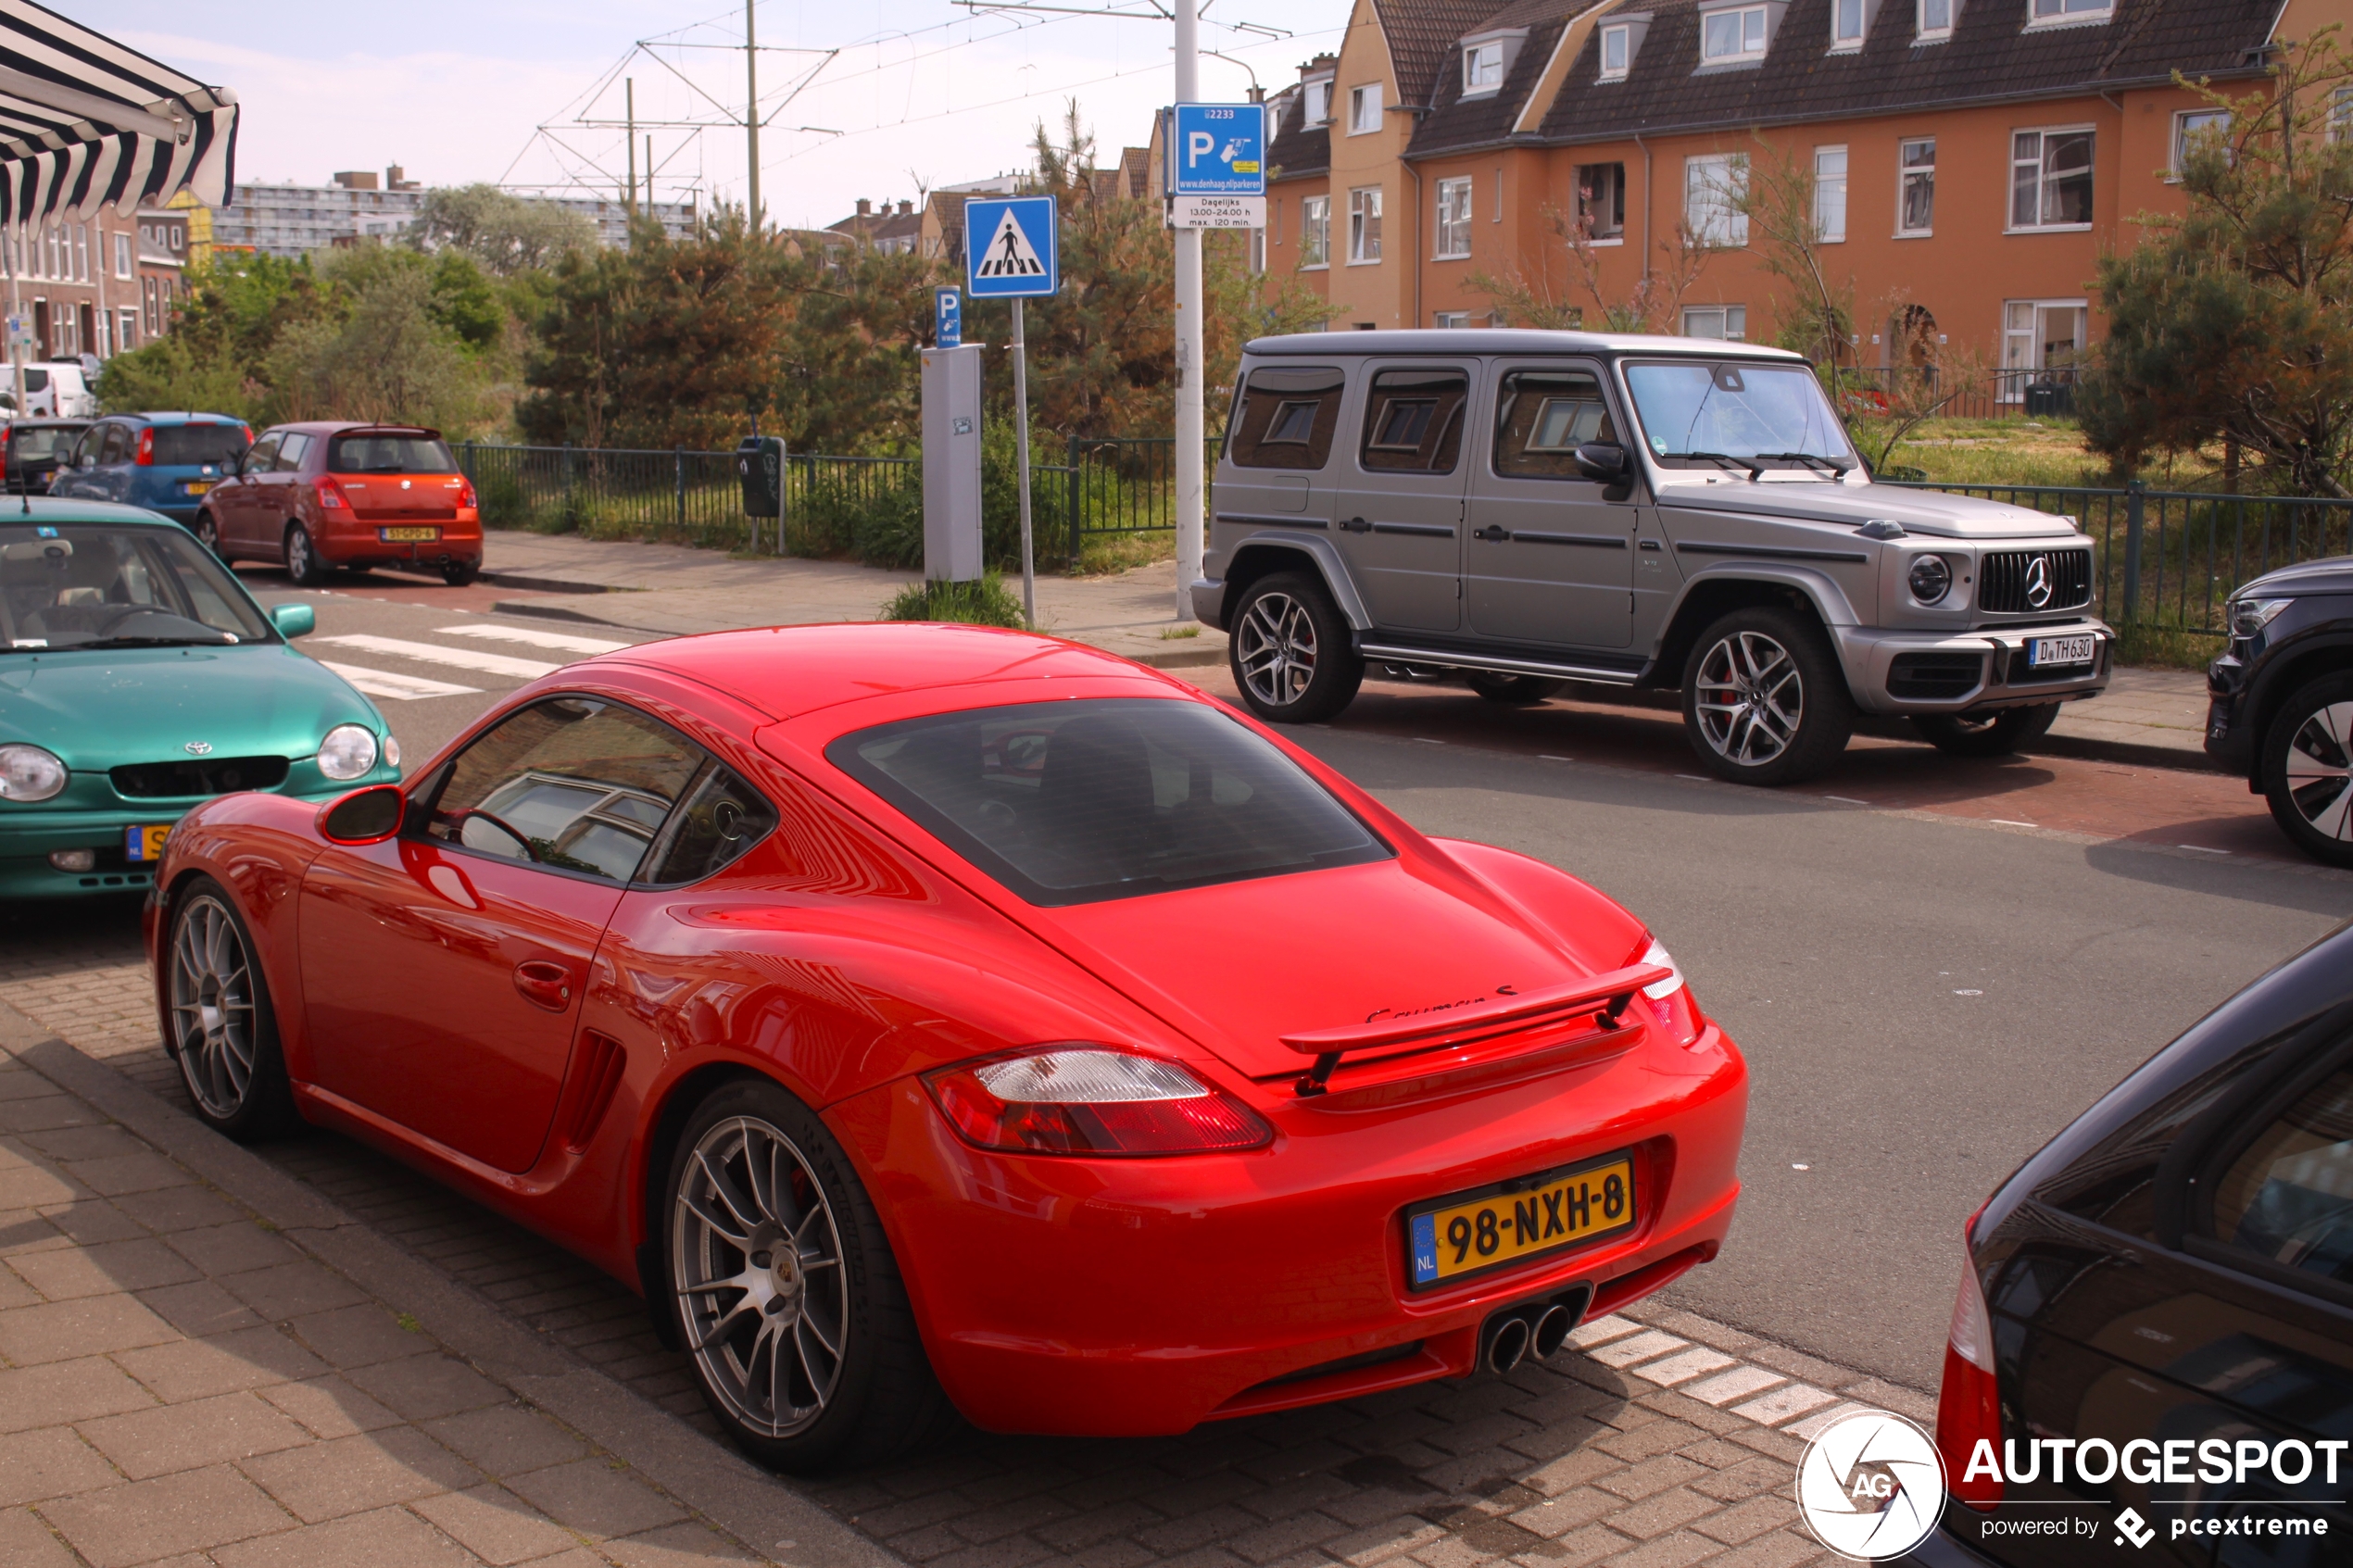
x,y
984,603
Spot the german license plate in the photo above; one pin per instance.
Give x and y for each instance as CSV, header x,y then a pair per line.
x,y
1451,1238
405,535
2041,651
144,841
198,487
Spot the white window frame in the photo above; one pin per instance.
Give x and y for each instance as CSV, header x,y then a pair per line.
x,y
1314,232
2340,115
2069,13
2183,131
1905,170
1824,231
1849,43
1731,322
1598,235
2020,367
1363,109
1483,69
1720,225
2042,179
1364,224
1925,30
1457,320
1316,104
1741,16
1454,219
1621,37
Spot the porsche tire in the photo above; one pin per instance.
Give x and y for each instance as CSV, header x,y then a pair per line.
x,y
218,1021
785,1291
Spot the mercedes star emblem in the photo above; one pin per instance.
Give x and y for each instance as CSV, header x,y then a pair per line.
x,y
2038,582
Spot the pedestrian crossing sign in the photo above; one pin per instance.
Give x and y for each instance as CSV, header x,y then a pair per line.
x,y
1009,248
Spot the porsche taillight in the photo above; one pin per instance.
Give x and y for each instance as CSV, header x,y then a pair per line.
x,y
1968,1405
330,492
1091,1100
1678,1014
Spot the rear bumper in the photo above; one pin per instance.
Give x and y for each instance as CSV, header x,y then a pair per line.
x,y
1876,668
1142,1298
362,543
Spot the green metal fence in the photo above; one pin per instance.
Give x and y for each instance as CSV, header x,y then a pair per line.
x,y
2171,558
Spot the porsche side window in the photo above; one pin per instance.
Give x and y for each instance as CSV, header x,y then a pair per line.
x,y
573,783
1286,417
1542,416
1079,801
2288,1198
721,820
1414,421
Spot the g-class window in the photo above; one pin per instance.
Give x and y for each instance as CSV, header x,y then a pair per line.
x,y
1286,417
1414,421
1542,416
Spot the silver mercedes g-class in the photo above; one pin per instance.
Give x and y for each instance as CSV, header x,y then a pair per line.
x,y
1534,508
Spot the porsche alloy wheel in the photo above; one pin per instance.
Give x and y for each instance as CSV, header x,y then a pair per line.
x,y
2308,770
1764,701
1292,652
221,1029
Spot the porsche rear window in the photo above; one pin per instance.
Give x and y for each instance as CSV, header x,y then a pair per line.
x,y
1080,802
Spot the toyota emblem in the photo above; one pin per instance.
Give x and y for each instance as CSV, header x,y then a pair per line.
x,y
198,749
2038,582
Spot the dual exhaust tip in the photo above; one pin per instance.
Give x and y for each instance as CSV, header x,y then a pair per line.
x,y
1537,1328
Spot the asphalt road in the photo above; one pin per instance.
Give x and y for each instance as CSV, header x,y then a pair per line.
x,y
1926,994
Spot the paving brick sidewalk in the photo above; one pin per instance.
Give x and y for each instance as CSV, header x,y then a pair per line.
x,y
1664,1439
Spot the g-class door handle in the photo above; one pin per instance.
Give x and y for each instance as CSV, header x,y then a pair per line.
x,y
545,985
1493,534
1356,525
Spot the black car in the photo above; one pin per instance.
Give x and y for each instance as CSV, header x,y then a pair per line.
x,y
36,450
2154,1336
2280,702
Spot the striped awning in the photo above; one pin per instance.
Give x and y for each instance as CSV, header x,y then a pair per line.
x,y
87,124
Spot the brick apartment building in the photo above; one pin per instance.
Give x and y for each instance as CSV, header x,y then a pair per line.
x,y
95,287
1972,158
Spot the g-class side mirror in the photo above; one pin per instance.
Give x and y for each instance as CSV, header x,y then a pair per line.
x,y
1605,461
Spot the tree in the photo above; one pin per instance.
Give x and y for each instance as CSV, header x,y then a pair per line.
x,y
1653,305
386,358
237,306
507,235
2230,321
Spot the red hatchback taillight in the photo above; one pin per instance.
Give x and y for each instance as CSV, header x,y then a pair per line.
x,y
1968,1406
330,494
147,457
1088,1099
466,501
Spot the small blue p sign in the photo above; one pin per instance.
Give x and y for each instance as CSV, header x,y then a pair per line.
x,y
948,322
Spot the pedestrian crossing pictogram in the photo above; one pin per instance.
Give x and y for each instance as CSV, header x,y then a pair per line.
x,y
1009,253
1009,247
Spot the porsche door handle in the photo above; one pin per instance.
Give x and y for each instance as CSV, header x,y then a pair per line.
x,y
545,985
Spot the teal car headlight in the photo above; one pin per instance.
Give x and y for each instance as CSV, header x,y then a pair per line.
x,y
27,773
348,752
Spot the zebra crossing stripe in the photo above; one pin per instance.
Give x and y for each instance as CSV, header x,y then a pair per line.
x,y
398,688
480,660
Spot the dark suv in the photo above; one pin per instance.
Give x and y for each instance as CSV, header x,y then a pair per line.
x,y
2280,701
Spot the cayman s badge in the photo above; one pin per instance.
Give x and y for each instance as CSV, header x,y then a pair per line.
x,y
198,749
2038,582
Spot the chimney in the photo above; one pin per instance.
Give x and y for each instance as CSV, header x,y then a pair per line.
x,y
396,178
906,209
357,179
865,208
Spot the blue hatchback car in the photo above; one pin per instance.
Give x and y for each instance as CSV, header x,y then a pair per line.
x,y
163,462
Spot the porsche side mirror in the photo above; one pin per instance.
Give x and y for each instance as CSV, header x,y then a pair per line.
x,y
365,816
293,619
1605,461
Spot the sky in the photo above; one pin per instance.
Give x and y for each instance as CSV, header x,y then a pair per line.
x,y
923,93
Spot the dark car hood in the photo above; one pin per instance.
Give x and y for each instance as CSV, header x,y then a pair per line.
x,y
2332,575
107,707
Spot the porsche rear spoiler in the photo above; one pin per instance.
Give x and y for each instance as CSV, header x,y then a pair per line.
x,y
1605,996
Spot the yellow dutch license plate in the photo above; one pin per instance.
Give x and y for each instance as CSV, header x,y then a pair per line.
x,y
1454,1237
144,841
198,487
405,535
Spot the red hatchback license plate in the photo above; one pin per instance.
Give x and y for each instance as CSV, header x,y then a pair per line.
x,y
1448,1238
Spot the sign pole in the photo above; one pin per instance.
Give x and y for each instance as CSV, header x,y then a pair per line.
x,y
1021,445
1188,341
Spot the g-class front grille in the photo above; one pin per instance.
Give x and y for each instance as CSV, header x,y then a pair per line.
x,y
2026,582
209,775
1932,675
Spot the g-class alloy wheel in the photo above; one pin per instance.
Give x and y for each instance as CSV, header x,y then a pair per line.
x,y
1764,701
1292,652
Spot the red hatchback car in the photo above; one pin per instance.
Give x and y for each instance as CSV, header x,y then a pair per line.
x,y
332,495
925,1012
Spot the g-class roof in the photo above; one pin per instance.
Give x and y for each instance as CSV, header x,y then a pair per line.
x,y
1506,340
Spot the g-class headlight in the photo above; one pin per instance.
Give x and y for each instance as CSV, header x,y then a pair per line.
x,y
1930,579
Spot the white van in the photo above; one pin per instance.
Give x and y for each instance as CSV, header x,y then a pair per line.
x,y
56,389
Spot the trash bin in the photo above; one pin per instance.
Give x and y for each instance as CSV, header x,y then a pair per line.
x,y
2049,400
759,463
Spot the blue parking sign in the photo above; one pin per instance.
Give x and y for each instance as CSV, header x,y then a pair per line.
x,y
1009,248
1218,150
948,322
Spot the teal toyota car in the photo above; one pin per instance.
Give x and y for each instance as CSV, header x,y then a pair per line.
x,y
138,677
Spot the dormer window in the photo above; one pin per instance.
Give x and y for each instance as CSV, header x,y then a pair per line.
x,y
1732,35
1847,20
1482,67
1617,52
2047,13
1318,102
1936,19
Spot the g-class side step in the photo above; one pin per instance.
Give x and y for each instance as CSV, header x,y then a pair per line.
x,y
1456,658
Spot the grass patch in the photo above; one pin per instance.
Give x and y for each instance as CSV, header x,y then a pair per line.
x,y
1103,554
984,603
1170,633
2165,647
